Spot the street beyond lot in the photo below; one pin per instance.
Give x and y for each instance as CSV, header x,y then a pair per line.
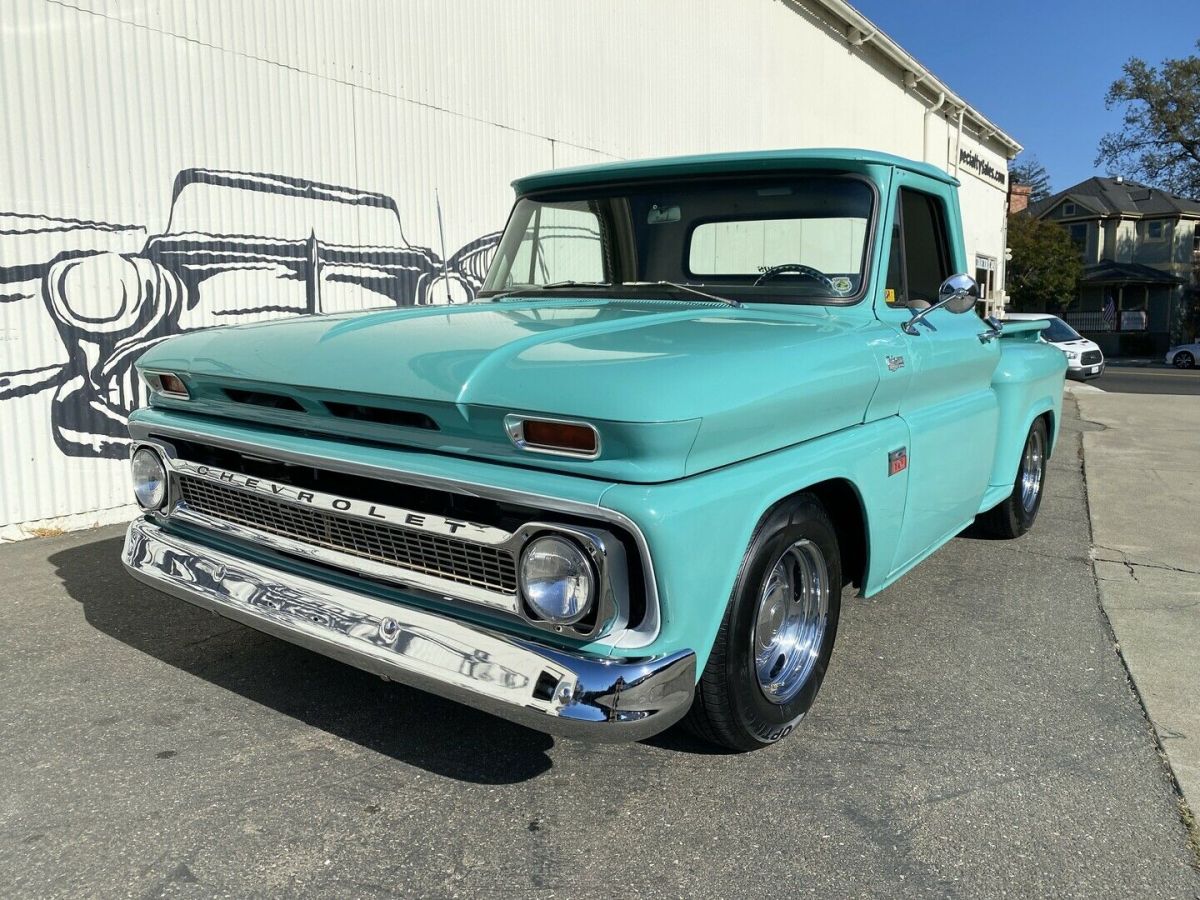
x,y
1157,379
976,736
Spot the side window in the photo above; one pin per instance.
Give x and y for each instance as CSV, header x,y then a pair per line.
x,y
562,242
926,251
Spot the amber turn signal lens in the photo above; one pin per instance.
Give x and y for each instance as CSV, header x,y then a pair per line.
x,y
167,384
172,384
563,436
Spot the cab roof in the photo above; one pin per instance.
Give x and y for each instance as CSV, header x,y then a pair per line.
x,y
670,167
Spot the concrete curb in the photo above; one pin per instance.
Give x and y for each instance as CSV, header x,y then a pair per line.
x,y
1142,481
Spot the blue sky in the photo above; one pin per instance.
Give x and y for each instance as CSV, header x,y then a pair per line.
x,y
1040,70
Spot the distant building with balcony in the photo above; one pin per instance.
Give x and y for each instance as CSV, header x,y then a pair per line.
x,y
1141,252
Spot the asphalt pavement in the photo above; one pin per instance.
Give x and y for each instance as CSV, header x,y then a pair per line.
x,y
1153,379
976,736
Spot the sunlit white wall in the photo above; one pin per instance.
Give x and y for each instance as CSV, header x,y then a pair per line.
x,y
435,104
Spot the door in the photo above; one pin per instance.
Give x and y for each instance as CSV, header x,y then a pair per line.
x,y
948,400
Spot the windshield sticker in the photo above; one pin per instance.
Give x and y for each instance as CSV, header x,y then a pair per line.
x,y
842,284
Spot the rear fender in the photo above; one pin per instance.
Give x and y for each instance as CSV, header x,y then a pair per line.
x,y
1028,384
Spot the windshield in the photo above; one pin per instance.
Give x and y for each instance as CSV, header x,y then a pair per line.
x,y
1060,332
801,239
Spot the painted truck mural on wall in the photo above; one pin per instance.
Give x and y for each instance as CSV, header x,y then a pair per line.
x,y
238,247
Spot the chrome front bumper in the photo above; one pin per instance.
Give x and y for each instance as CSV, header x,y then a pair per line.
x,y
544,688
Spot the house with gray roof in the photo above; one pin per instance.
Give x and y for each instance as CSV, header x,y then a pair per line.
x,y
1141,258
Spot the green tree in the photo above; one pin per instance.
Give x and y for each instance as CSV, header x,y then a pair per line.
x,y
1043,274
1159,142
1033,173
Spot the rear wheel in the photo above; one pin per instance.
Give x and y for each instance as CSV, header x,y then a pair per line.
x,y
775,641
1184,360
1016,514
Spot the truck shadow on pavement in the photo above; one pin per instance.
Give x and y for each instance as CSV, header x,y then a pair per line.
x,y
411,726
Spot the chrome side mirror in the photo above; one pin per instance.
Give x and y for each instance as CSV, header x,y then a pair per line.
x,y
958,294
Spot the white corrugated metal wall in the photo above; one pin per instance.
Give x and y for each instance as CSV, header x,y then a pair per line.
x,y
116,111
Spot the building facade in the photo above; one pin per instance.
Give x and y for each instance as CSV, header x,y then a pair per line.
x,y
1140,248
165,165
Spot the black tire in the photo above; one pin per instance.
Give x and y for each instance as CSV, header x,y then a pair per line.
x,y
1184,360
730,708
1016,514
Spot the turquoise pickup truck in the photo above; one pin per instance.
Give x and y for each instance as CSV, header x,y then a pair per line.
x,y
630,483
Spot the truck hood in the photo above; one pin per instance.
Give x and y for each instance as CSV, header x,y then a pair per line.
x,y
674,387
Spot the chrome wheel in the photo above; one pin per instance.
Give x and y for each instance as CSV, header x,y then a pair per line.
x,y
1184,360
1033,461
789,626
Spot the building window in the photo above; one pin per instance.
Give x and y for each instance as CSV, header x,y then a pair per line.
x,y
1069,209
1196,240
1155,230
1079,234
985,276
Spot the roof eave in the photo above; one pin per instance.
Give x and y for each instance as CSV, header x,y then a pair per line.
x,y
861,30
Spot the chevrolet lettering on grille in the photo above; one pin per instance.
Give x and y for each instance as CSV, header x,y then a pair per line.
x,y
375,512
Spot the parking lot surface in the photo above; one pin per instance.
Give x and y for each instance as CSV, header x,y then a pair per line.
x,y
976,736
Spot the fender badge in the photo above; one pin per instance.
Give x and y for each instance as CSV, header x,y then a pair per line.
x,y
897,461
895,362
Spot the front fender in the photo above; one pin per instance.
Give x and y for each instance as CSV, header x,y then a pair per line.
x,y
698,528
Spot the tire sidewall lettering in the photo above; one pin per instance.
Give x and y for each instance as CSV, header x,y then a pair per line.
x,y
767,722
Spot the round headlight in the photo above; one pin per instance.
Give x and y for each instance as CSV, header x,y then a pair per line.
x,y
557,580
149,479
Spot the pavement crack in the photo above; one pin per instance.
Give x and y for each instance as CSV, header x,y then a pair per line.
x,y
1058,557
211,636
1130,565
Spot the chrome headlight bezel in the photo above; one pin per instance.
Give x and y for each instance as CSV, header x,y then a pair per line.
x,y
575,566
148,473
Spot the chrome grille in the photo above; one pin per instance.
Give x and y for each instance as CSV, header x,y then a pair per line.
x,y
1091,357
433,554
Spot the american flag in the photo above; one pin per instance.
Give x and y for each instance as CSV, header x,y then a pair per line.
x,y
1110,312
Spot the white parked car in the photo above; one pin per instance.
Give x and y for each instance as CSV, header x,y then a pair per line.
x,y
1184,356
1084,359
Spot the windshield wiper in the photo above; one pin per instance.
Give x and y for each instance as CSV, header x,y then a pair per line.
x,y
728,301
551,286
557,285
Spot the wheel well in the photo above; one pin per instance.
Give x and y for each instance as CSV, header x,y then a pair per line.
x,y
844,506
1049,417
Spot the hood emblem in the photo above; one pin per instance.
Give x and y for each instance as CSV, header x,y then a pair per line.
x,y
894,363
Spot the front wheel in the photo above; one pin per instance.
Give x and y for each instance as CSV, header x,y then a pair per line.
x,y
775,641
1015,515
1184,360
